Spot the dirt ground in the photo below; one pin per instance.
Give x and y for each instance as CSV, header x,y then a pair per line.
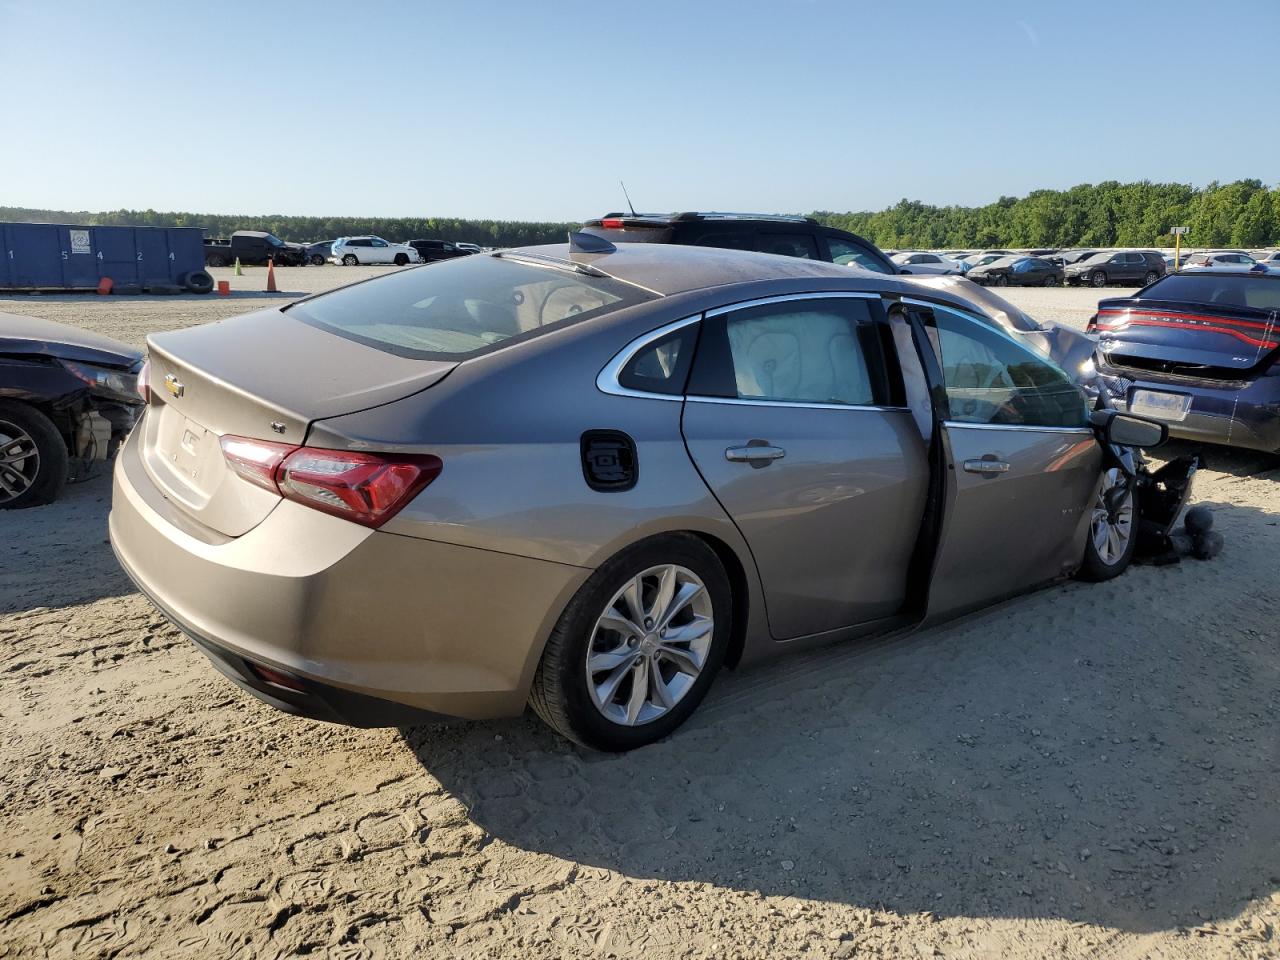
x,y
1088,771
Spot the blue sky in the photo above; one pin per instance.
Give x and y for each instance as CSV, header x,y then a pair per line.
x,y
535,110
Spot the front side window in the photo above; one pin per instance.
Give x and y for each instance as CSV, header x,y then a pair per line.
x,y
990,379
797,351
375,242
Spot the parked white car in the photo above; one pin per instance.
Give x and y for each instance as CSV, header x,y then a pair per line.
x,y
353,250
926,263
1218,259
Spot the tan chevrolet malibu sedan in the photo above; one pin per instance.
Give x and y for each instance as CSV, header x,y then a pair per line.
x,y
586,477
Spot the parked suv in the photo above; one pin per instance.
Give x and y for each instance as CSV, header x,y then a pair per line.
x,y
1230,259
1138,267
789,236
350,251
432,250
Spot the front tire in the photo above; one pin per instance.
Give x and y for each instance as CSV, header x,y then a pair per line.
x,y
1002,280
1113,531
638,645
33,457
317,260
1097,279
1052,282
401,259
350,260
1150,278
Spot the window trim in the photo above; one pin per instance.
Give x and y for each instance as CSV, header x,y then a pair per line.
x,y
607,378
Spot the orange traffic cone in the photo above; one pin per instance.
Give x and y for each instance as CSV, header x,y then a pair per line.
x,y
271,277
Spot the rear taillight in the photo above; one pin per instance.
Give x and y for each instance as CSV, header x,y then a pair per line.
x,y
612,223
143,386
1092,325
255,460
366,488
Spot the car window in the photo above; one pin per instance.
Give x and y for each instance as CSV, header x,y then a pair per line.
x,y
377,243
463,306
849,254
739,240
1224,289
788,245
990,379
797,351
662,366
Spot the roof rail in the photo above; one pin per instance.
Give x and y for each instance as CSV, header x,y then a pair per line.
x,y
721,215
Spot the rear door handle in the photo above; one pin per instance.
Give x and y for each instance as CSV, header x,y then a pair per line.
x,y
756,454
988,467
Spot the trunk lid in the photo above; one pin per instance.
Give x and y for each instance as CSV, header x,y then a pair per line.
x,y
1187,339
264,375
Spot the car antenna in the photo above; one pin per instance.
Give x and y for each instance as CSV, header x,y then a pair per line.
x,y
630,205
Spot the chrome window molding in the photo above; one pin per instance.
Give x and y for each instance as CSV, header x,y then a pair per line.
x,y
1022,427
788,297
801,404
607,379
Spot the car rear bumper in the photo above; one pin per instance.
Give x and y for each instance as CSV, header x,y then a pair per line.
x,y
1247,417
375,628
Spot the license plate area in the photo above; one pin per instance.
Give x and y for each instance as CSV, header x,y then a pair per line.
x,y
1161,405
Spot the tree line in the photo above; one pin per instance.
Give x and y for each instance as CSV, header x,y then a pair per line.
x,y
1244,213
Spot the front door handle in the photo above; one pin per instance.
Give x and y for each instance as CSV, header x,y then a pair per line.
x,y
988,467
758,453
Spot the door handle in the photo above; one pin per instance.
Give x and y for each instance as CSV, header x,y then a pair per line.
x,y
758,454
988,467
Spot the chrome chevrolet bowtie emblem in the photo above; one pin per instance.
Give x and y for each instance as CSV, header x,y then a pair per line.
x,y
173,385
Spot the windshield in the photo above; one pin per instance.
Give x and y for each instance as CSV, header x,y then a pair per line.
x,y
1098,257
464,307
274,240
1259,292
1003,261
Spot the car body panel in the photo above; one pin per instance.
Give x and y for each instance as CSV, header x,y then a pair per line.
x,y
850,477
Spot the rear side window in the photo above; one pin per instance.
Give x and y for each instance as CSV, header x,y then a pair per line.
x,y
788,245
799,351
463,307
850,254
741,240
662,366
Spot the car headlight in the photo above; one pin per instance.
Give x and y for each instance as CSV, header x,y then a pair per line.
x,y
104,381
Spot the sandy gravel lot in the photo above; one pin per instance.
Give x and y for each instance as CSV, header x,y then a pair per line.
x,y
1088,771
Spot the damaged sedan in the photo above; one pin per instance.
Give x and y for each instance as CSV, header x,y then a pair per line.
x,y
585,477
67,399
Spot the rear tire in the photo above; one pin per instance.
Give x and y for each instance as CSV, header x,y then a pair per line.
x,y
1113,534
578,702
1097,279
33,457
214,262
350,260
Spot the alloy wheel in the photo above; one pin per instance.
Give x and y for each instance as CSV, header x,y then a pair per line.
x,y
1098,279
19,461
649,646
1112,525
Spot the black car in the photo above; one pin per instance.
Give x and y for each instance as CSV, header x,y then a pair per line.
x,y
1018,271
433,250
1136,267
1065,258
68,398
1199,350
764,233
253,247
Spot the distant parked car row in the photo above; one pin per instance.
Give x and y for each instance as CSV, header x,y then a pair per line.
x,y
255,247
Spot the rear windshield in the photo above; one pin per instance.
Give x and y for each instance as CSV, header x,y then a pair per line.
x,y
1224,289
461,308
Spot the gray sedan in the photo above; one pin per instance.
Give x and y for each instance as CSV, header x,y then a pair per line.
x,y
587,477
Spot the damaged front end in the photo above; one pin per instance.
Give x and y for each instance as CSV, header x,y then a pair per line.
x,y
98,417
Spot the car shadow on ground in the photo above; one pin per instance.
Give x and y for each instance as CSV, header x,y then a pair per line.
x,y
1234,461
1090,752
67,542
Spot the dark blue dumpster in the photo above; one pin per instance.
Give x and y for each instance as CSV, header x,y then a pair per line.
x,y
50,256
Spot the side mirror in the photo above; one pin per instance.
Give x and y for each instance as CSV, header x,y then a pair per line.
x,y
1128,430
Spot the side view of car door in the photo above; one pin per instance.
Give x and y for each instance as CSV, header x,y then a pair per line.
x,y
1019,462
794,421
379,251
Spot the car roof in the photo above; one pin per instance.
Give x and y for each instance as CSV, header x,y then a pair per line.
x,y
663,219
671,269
